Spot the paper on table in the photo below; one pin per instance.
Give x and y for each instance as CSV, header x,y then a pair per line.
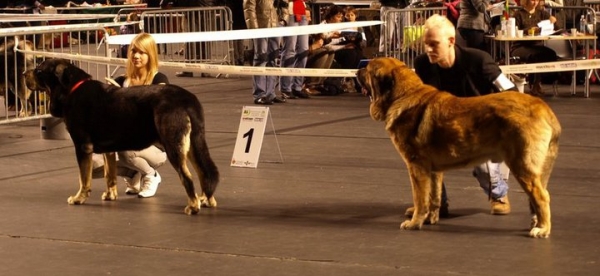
x,y
546,27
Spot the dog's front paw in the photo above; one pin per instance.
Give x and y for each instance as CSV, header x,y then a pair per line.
x,y
410,225
79,198
539,232
109,196
76,200
191,210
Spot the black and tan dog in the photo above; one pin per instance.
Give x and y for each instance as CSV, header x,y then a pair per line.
x,y
435,131
106,119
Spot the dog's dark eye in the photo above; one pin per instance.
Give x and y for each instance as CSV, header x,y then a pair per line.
x,y
37,71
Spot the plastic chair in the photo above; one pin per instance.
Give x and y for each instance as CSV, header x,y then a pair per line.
x,y
565,51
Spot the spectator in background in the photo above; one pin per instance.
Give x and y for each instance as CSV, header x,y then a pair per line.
x,y
323,48
350,56
263,14
157,3
552,4
472,24
390,27
35,5
237,14
563,17
295,49
532,51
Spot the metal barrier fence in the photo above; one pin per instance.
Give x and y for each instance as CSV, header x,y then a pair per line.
x,y
371,32
191,20
402,30
61,39
17,103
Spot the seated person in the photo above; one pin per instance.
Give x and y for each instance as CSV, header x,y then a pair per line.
x,y
532,51
321,57
354,39
322,50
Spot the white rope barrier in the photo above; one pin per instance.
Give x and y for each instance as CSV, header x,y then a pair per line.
x,y
311,72
11,18
59,28
207,68
557,66
243,34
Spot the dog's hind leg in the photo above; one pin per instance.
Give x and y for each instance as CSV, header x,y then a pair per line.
x,y
420,179
84,160
205,168
177,149
539,200
110,175
533,179
541,222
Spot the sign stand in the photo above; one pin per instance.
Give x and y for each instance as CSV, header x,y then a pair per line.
x,y
250,136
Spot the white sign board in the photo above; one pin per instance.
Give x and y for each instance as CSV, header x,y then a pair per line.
x,y
250,136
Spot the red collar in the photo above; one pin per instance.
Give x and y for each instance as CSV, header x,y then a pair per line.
x,y
78,84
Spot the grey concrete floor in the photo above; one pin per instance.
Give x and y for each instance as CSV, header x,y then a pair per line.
x,y
333,207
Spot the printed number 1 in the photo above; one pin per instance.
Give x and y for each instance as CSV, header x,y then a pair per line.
x,y
249,135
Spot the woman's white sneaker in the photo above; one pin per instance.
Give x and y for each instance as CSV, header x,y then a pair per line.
x,y
133,184
149,185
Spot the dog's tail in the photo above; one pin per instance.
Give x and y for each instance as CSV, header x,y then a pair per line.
x,y
203,164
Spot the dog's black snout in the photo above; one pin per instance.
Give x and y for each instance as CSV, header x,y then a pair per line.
x,y
37,71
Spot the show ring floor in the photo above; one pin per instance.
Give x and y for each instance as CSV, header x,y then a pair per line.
x,y
333,207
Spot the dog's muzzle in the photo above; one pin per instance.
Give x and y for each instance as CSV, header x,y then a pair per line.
x,y
360,76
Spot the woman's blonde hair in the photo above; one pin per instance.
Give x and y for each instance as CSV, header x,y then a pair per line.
x,y
144,43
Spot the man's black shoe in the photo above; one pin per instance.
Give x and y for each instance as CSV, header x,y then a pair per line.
x,y
279,100
287,95
263,100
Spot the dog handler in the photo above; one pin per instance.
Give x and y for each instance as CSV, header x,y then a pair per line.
x,y
464,72
139,167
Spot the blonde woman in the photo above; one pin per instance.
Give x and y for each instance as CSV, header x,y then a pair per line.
x,y
139,167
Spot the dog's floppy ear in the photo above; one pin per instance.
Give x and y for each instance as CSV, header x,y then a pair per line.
x,y
59,72
384,79
69,74
382,85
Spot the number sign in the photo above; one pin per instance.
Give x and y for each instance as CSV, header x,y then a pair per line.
x,y
250,136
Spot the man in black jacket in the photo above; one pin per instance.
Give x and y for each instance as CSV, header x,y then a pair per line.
x,y
465,72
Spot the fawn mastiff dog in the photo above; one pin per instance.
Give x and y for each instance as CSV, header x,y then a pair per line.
x,y
11,76
105,119
435,131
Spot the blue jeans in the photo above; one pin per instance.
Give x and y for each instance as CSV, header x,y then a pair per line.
x,y
495,174
294,55
486,173
392,29
266,51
